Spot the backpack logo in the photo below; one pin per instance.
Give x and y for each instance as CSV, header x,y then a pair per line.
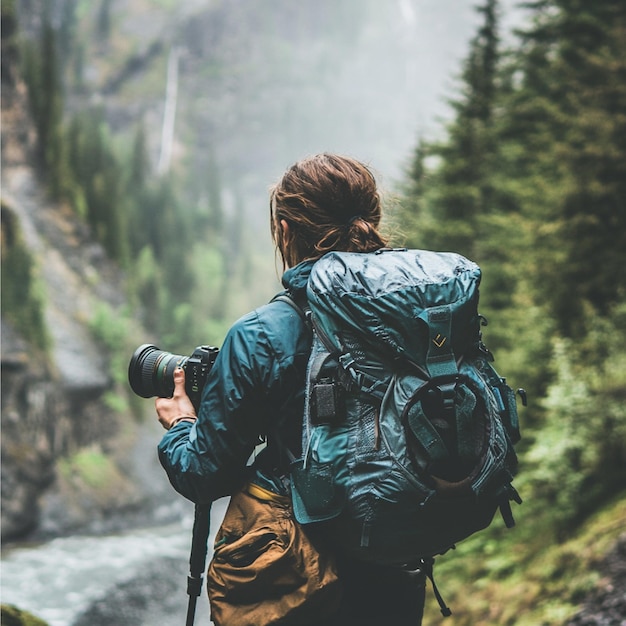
x,y
439,340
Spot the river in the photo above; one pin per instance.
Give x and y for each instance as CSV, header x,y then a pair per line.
x,y
60,579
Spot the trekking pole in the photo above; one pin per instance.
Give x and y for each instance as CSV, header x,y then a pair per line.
x,y
197,558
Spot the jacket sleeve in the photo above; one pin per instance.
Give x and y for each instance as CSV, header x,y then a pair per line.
x,y
207,460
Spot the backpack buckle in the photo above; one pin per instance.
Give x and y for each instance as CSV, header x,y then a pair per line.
x,y
446,386
447,391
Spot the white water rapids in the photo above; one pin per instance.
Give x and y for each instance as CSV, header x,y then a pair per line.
x,y
59,579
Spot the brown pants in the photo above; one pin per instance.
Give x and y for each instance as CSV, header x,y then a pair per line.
x,y
265,570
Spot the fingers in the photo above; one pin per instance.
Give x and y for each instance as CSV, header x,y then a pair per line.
x,y
179,382
179,407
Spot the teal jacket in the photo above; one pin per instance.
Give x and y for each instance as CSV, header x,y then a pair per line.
x,y
254,390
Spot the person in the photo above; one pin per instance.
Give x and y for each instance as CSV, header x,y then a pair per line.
x,y
256,387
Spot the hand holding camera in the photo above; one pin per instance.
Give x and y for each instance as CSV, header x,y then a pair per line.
x,y
178,408
153,372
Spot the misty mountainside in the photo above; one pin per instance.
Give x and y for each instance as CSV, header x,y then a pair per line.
x,y
259,85
67,447
54,401
231,93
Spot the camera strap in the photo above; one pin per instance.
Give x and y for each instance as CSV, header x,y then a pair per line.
x,y
197,557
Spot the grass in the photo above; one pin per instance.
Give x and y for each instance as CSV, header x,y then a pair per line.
x,y
93,477
90,467
525,577
12,616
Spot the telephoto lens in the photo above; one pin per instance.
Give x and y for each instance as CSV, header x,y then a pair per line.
x,y
151,371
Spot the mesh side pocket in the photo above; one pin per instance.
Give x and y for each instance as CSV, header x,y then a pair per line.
x,y
367,430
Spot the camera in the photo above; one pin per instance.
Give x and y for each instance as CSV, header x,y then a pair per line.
x,y
151,371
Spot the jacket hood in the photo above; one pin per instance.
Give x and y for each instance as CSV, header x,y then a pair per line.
x,y
295,279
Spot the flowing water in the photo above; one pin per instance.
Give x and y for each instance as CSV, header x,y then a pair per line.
x,y
59,579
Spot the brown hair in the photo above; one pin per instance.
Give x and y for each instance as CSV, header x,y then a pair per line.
x,y
330,202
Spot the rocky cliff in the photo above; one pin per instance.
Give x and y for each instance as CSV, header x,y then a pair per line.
x,y
55,400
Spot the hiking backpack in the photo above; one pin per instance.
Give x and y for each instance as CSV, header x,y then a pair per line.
x,y
408,432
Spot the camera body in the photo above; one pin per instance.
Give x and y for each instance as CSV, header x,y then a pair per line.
x,y
151,371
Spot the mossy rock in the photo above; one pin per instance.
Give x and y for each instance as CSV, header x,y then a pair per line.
x,y
12,616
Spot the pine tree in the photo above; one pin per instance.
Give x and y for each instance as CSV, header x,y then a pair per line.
x,y
42,73
22,302
593,65
459,190
567,121
98,174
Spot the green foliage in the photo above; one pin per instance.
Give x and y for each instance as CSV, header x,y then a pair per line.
x,y
578,457
22,299
147,284
42,73
78,159
92,476
12,616
116,332
89,466
103,23
569,112
459,190
8,9
110,327
98,191
524,577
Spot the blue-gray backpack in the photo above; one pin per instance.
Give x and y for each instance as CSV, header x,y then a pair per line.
x,y
408,430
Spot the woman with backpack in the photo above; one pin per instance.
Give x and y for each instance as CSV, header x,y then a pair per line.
x,y
266,569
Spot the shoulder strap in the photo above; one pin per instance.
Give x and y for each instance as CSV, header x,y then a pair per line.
x,y
303,311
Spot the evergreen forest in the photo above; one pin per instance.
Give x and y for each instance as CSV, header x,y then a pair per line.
x,y
527,178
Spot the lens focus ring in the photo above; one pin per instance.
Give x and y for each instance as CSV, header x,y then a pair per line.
x,y
148,370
